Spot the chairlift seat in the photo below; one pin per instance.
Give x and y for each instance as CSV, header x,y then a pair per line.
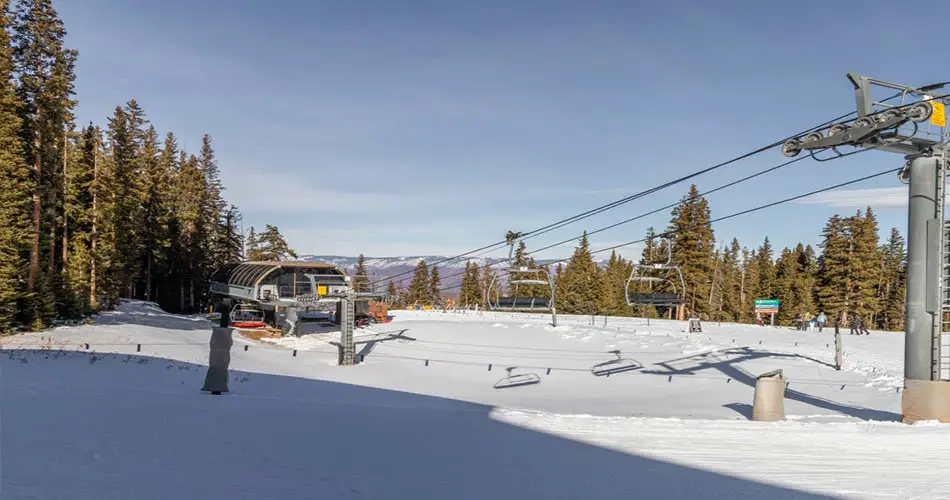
x,y
518,380
654,299
246,316
615,366
523,303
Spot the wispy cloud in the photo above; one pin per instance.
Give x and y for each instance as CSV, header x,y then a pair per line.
x,y
860,198
304,194
253,191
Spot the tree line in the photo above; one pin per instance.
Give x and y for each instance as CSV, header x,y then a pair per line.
x,y
93,214
851,274
425,287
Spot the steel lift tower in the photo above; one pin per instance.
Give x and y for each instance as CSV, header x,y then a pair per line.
x,y
910,122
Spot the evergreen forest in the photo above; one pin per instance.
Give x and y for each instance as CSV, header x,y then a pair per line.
x,y
852,273
95,212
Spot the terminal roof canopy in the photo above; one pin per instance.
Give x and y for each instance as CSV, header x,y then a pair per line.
x,y
250,274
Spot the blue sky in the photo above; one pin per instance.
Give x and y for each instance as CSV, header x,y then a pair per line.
x,y
407,128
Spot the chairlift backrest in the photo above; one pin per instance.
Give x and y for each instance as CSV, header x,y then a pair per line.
x,y
655,275
526,275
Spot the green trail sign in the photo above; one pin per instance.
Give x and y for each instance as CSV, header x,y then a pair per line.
x,y
767,303
767,306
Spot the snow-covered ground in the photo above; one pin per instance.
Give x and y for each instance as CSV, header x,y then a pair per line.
x,y
420,417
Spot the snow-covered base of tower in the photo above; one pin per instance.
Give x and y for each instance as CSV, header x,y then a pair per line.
x,y
125,418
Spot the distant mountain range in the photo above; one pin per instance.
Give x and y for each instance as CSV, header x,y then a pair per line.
x,y
381,269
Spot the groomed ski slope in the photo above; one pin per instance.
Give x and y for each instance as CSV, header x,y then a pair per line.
x,y
419,418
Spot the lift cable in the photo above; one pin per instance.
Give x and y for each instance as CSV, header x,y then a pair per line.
x,y
603,208
614,204
735,214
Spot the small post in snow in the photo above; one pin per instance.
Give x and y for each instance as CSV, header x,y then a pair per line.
x,y
838,351
216,380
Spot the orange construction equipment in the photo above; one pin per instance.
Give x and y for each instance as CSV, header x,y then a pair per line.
x,y
379,311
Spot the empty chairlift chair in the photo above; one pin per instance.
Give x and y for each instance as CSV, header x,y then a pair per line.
x,y
520,298
247,316
517,379
659,283
615,366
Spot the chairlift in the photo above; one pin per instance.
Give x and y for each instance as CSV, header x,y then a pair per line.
x,y
517,380
656,276
615,366
519,275
247,316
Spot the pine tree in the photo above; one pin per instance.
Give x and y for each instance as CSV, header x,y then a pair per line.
x,y
731,306
78,216
488,276
124,142
865,271
518,261
783,286
250,246
833,289
361,279
157,213
233,246
392,292
478,286
804,286
171,293
435,287
103,283
15,190
716,287
45,72
654,252
468,289
694,249
214,204
189,199
766,271
749,284
420,287
271,246
616,275
894,258
581,286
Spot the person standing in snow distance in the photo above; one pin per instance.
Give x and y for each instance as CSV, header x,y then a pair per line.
x,y
821,320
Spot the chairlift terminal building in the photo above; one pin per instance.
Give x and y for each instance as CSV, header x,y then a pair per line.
x,y
278,284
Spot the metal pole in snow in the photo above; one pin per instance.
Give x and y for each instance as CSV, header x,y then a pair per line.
x,y
920,221
838,351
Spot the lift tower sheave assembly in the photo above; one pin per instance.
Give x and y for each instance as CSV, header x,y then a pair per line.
x,y
914,126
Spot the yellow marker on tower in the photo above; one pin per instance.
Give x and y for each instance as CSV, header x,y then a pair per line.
x,y
939,116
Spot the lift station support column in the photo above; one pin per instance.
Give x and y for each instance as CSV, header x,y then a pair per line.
x,y
915,127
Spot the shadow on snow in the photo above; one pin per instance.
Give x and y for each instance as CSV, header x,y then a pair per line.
x,y
689,365
102,426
